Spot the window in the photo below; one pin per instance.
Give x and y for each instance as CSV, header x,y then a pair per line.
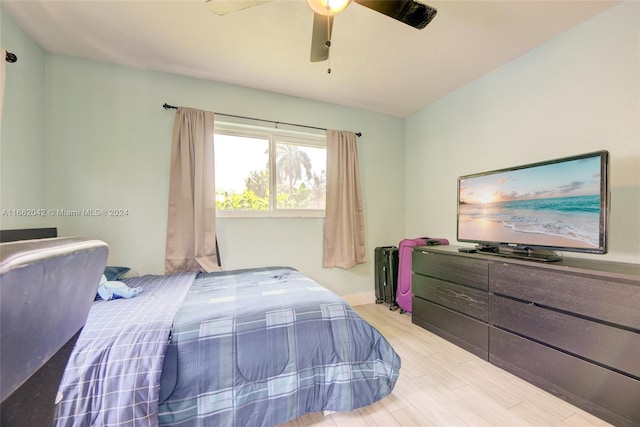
x,y
269,172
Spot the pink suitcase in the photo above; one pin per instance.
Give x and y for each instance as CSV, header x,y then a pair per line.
x,y
405,249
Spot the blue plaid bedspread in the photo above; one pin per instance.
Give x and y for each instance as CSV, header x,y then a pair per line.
x,y
260,347
248,348
113,374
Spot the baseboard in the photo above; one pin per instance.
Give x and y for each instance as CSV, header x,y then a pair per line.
x,y
360,298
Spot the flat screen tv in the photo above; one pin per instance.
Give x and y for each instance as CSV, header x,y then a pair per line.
x,y
534,210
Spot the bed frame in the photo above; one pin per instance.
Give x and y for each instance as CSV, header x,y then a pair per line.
x,y
46,289
27,234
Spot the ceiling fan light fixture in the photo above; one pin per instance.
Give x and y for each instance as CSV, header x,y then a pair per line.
x,y
328,7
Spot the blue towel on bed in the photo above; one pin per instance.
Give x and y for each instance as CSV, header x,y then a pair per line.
x,y
113,289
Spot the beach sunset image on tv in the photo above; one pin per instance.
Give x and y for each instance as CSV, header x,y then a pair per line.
x,y
553,205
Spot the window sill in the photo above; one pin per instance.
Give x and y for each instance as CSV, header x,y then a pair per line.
x,y
271,214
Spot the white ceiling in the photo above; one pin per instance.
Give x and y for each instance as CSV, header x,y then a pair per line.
x,y
377,63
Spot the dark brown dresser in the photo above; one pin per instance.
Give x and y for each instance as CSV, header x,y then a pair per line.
x,y
571,327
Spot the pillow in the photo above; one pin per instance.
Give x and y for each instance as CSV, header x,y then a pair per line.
x,y
115,273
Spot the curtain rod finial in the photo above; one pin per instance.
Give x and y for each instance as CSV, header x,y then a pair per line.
x,y
11,57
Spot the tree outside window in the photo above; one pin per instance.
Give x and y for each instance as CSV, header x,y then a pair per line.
x,y
253,167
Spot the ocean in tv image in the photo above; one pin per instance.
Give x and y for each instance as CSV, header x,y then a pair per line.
x,y
556,204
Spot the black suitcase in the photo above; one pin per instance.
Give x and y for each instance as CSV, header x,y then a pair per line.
x,y
386,275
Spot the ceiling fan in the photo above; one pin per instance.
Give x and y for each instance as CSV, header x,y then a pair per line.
x,y
410,12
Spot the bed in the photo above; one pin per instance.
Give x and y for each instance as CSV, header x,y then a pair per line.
x,y
255,347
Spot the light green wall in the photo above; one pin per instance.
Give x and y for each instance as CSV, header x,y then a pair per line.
x,y
109,144
579,92
22,136
80,134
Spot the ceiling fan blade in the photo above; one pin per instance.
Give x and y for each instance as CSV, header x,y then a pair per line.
x,y
222,7
410,12
321,34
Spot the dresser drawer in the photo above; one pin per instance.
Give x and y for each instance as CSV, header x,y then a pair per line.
x,y
609,346
607,299
466,300
465,332
452,268
608,394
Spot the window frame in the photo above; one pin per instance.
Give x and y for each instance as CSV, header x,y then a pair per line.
x,y
273,136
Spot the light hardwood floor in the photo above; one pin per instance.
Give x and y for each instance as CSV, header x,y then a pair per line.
x,y
441,384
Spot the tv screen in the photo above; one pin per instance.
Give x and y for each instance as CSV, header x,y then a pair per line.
x,y
559,204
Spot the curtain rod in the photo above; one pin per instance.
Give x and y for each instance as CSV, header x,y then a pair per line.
x,y
10,57
168,107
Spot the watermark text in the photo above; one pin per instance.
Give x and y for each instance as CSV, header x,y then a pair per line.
x,y
62,212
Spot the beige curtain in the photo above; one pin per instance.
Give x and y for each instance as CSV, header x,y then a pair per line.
x,y
191,224
344,224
